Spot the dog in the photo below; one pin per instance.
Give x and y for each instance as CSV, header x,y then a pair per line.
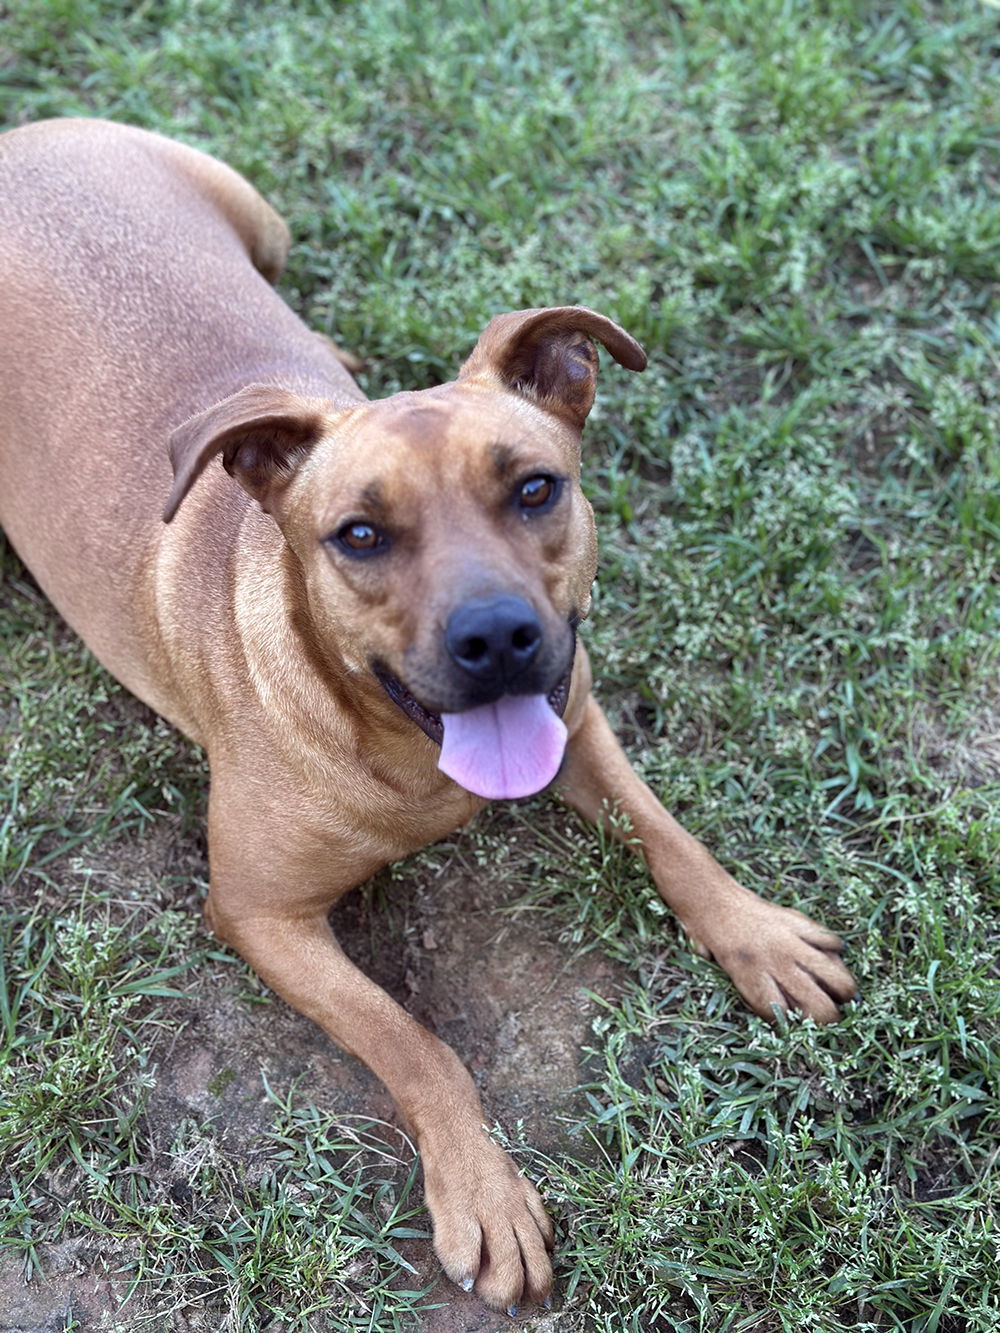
x,y
366,615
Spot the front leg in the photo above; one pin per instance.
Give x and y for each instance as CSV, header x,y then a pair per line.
x,y
775,955
269,899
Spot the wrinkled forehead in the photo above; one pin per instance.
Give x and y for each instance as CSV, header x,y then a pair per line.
x,y
463,415
443,438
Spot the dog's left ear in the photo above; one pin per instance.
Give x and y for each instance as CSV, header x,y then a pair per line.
x,y
549,356
262,432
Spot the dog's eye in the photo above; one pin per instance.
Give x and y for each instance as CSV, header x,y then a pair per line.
x,y
538,492
359,538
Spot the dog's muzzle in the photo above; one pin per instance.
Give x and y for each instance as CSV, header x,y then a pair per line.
x,y
430,723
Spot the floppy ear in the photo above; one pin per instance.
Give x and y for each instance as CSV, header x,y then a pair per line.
x,y
262,433
549,356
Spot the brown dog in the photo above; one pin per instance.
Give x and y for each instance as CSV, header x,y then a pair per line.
x,y
369,623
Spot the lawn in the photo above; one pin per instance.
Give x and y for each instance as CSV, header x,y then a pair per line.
x,y
795,631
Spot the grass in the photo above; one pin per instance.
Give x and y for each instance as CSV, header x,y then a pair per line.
x,y
795,626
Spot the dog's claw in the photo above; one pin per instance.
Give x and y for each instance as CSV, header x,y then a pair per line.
x,y
467,1283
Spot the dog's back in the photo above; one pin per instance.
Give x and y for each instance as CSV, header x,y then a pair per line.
x,y
134,291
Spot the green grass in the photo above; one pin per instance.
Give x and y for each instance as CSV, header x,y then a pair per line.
x,y
794,207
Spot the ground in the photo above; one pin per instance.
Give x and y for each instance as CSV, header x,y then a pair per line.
x,y
499,987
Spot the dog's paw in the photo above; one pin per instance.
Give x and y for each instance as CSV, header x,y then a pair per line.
x,y
491,1231
777,956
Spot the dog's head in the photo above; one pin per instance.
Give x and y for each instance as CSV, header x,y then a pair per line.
x,y
444,540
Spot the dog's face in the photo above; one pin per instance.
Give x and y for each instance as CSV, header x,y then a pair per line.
x,y
445,543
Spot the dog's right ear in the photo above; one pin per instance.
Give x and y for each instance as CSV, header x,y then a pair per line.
x,y
262,433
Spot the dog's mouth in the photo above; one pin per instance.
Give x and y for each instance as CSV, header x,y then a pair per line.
x,y
510,747
430,723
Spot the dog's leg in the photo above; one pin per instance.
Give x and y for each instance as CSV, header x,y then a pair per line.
x,y
270,903
775,955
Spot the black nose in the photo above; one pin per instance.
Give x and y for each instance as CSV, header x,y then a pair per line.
x,y
493,638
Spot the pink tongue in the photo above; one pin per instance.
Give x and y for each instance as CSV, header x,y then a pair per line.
x,y
505,749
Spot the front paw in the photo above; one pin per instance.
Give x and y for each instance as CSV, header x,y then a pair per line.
x,y
777,956
491,1231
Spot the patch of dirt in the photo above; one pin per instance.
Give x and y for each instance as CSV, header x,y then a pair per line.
x,y
497,986
76,1292
971,756
499,989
